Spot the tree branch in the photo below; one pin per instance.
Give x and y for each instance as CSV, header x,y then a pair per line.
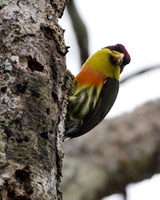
x,y
80,31
119,151
147,69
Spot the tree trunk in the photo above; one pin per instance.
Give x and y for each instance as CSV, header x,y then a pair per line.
x,y
33,85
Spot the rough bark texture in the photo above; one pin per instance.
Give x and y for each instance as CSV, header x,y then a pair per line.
x,y
119,151
33,85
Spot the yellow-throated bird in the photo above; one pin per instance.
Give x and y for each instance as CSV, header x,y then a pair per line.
x,y
94,90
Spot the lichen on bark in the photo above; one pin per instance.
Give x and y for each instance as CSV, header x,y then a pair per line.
x,y
33,96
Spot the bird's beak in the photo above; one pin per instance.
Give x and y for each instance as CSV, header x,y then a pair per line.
x,y
118,57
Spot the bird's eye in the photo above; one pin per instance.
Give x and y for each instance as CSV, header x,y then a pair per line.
x,y
113,60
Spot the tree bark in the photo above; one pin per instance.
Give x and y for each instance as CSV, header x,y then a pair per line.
x,y
33,86
119,151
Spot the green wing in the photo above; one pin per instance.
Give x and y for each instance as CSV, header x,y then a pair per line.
x,y
75,124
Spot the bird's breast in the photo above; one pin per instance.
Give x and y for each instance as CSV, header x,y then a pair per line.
x,y
90,77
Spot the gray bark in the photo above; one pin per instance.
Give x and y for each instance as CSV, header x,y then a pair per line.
x,y
119,151
33,85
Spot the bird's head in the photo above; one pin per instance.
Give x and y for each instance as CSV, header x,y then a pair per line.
x,y
125,59
109,61
105,63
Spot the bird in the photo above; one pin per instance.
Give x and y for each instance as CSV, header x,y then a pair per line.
x,y
94,90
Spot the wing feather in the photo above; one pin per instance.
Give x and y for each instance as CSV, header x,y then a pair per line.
x,y
103,100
